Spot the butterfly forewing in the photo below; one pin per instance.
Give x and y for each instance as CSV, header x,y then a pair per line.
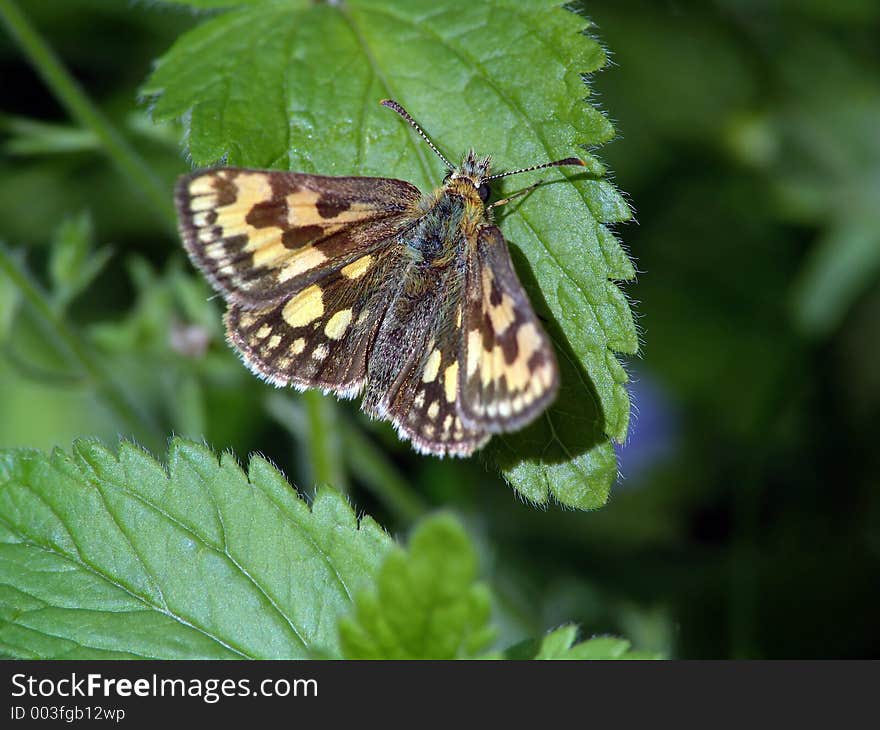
x,y
260,235
509,372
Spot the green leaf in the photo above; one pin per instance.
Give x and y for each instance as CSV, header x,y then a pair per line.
x,y
73,264
843,264
427,604
560,644
10,299
34,137
106,556
295,85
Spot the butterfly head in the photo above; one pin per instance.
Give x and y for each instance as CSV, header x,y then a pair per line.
x,y
473,174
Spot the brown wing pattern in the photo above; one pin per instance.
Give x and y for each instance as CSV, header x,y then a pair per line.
x,y
413,378
262,235
321,336
509,372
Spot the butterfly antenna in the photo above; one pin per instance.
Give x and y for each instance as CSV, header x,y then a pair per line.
x,y
391,104
558,163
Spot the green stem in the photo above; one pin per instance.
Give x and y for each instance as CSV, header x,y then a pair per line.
x,y
323,441
370,466
110,393
380,477
81,108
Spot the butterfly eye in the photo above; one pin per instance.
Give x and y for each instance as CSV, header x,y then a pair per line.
x,y
484,192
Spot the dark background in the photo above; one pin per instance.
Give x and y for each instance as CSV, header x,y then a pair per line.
x,y
747,520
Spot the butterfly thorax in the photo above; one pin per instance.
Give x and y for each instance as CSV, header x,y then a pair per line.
x,y
450,217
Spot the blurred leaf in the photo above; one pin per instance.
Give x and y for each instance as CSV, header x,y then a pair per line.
x,y
296,86
10,299
824,161
560,644
35,137
843,263
165,302
105,556
171,348
427,603
77,352
687,101
212,4
73,265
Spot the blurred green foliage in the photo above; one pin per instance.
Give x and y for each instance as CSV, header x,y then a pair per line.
x,y
747,519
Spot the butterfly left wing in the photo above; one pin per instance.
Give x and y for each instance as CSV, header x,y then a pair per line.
x,y
260,236
321,336
301,260
509,373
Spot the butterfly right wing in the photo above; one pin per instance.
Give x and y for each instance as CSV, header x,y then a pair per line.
x,y
509,373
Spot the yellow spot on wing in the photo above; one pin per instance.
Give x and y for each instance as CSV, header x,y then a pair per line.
x,y
474,346
305,307
492,364
338,324
303,260
433,410
503,315
528,341
450,381
517,373
302,210
264,243
251,188
431,367
203,202
299,344
357,269
203,185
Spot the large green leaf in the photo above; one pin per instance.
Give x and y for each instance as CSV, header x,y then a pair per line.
x,y
105,556
113,556
296,85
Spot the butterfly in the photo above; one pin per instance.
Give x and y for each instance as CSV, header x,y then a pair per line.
x,y
366,285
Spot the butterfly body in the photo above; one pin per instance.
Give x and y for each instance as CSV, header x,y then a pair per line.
x,y
367,286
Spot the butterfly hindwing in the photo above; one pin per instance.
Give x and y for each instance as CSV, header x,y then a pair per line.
x,y
320,337
509,371
413,372
259,235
